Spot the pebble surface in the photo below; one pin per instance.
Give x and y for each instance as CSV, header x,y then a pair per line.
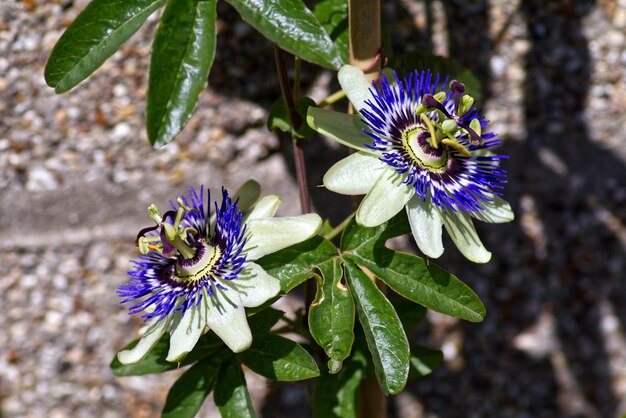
x,y
76,172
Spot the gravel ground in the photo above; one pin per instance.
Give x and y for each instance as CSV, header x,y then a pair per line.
x,y
76,171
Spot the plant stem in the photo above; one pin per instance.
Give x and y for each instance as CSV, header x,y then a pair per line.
x,y
364,26
339,228
365,44
333,98
290,98
296,121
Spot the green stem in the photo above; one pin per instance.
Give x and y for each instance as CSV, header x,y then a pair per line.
x,y
332,99
296,78
339,228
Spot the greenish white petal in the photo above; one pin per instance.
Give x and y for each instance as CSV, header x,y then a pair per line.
x,y
185,333
264,208
426,225
274,234
255,286
498,211
385,200
341,127
226,316
461,229
354,175
247,194
356,86
146,342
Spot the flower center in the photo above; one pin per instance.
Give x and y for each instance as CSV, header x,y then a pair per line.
x,y
417,143
200,266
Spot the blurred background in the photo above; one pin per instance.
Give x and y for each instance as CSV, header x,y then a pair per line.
x,y
77,172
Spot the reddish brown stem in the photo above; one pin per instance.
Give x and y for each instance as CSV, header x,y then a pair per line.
x,y
298,149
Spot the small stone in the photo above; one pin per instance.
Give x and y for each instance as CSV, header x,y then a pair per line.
x,y
40,179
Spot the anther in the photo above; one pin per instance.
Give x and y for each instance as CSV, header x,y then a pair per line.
x,y
457,146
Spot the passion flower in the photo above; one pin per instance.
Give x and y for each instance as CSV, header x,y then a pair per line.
x,y
423,146
197,269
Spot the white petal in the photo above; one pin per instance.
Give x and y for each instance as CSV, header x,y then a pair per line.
x,y
498,211
354,175
425,220
461,229
269,235
255,286
185,333
341,127
145,344
264,208
385,200
227,318
356,86
248,193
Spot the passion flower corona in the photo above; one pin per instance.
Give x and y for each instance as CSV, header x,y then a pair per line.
x,y
197,269
423,146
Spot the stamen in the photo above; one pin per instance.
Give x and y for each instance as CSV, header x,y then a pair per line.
x,y
458,89
475,138
182,204
431,130
429,101
459,147
144,232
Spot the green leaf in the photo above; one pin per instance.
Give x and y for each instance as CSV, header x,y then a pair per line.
x,y
423,361
341,127
409,312
279,359
297,263
189,391
336,396
155,362
331,317
261,322
279,119
333,15
419,60
182,55
291,26
93,37
231,392
411,276
383,331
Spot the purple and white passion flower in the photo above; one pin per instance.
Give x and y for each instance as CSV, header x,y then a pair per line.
x,y
197,269
423,146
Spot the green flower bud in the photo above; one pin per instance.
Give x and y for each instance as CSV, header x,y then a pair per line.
x,y
475,125
466,104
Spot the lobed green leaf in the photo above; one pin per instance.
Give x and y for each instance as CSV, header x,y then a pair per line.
x,y
278,117
331,316
291,26
336,396
414,278
188,393
295,264
279,358
231,392
93,37
182,55
155,362
383,331
423,361
333,15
